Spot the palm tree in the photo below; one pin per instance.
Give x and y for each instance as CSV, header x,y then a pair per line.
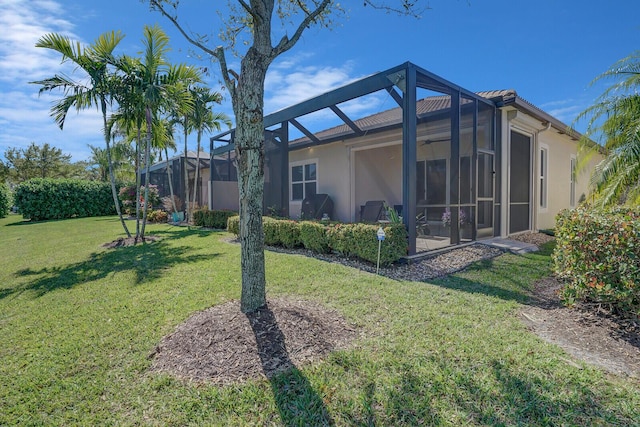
x,y
95,61
156,86
121,156
203,119
615,119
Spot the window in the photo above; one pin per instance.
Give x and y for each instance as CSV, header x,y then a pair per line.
x,y
303,181
544,159
572,195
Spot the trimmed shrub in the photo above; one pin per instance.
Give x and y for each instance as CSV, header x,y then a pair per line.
x,y
340,239
288,233
598,252
42,199
212,219
270,229
313,236
361,240
349,240
5,200
157,215
233,225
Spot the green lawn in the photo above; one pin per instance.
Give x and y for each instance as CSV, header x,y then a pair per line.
x,y
77,322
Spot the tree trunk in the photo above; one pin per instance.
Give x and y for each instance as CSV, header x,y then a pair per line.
x,y
173,201
186,171
138,183
248,105
112,177
147,164
195,182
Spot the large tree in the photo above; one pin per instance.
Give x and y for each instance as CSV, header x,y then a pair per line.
x,y
614,120
249,24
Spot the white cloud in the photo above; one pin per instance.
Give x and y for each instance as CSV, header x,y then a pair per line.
x,y
24,116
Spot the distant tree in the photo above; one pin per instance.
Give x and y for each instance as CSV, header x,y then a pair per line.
x,y
37,162
248,25
122,161
202,119
614,120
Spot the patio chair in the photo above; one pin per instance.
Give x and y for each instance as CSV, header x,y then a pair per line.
x,y
316,206
372,211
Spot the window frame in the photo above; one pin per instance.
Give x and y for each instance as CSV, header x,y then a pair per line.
x,y
572,180
543,177
305,181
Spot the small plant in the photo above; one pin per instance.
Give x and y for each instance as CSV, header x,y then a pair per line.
x,y
392,214
158,215
168,206
127,196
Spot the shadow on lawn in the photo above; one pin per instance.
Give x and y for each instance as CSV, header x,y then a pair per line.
x,y
147,261
298,403
496,394
509,277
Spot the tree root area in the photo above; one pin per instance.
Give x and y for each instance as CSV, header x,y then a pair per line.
x,y
223,345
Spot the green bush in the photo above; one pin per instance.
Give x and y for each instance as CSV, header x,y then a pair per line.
x,y
313,236
598,252
340,239
127,196
212,219
288,233
42,199
359,240
5,200
157,215
270,229
233,225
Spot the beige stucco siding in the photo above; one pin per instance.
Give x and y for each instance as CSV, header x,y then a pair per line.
x,y
561,150
332,163
378,175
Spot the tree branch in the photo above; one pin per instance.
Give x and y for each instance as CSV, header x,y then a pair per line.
x,y
409,7
287,43
217,53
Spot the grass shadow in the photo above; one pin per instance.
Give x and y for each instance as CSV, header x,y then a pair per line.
x,y
148,262
298,403
508,277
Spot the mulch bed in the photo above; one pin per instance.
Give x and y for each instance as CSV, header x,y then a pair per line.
x,y
122,242
223,345
593,335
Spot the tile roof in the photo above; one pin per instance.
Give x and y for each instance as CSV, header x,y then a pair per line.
x,y
393,116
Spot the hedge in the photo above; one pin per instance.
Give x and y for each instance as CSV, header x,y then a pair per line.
x,y
5,200
598,252
42,199
212,219
349,240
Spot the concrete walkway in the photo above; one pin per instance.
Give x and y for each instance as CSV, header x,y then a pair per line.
x,y
512,246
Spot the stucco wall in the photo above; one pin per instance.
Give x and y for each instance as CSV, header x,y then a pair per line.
x,y
561,149
332,163
378,175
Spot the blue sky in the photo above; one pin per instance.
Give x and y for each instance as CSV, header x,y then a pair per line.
x,y
547,50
